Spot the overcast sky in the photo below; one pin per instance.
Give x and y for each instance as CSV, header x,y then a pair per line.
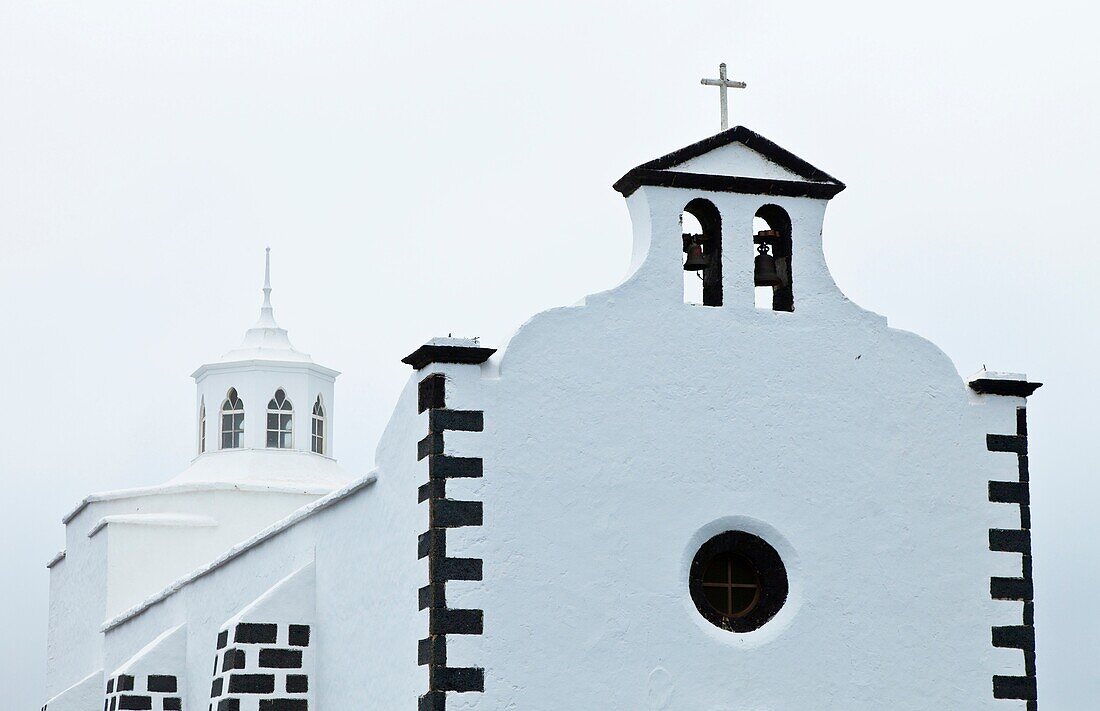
x,y
420,168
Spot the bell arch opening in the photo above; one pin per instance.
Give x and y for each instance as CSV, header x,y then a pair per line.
x,y
701,228
772,276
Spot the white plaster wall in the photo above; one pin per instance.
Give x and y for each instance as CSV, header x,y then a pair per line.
x,y
78,590
165,654
744,161
368,575
84,695
143,559
239,513
293,600
622,434
139,565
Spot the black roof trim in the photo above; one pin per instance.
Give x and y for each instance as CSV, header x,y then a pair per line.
x,y
723,183
996,386
428,353
823,184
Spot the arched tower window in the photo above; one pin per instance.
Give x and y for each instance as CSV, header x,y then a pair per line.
x,y
202,425
701,225
772,243
318,445
280,421
232,420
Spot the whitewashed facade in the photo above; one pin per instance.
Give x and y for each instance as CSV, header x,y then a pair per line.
x,y
548,524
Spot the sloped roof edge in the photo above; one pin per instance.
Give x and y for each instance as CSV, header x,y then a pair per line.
x,y
239,549
656,171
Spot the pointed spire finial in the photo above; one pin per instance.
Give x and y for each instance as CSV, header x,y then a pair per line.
x,y
265,340
267,267
267,314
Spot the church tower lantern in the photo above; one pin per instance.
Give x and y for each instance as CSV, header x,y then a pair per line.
x,y
264,400
264,449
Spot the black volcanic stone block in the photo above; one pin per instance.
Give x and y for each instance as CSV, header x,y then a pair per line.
x,y
252,684
281,658
251,633
299,635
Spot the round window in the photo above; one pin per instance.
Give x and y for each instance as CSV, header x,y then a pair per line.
x,y
738,581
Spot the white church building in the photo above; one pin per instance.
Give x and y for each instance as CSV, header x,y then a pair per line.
x,y
641,503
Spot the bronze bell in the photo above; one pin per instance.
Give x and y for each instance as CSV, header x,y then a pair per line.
x,y
696,260
764,271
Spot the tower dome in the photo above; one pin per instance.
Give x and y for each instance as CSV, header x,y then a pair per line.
x,y
264,412
266,340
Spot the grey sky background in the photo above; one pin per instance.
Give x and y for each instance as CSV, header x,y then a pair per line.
x,y
421,168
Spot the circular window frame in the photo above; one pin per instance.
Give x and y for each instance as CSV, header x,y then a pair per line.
x,y
773,587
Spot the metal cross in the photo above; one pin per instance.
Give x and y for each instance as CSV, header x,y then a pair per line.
x,y
723,83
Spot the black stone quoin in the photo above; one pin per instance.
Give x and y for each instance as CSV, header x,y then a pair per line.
x,y
1019,589
444,513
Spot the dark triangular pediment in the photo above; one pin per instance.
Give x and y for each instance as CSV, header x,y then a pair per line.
x,y
737,160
